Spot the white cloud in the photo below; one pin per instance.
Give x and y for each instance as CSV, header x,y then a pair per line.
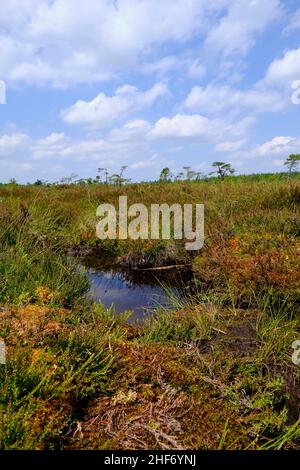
x,y
239,128
200,128
184,126
63,42
236,31
182,64
215,99
50,146
271,94
294,22
10,144
153,161
53,138
57,146
118,147
162,66
66,42
103,110
281,145
136,129
283,71
229,146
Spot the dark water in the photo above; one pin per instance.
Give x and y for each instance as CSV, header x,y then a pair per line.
x,y
142,292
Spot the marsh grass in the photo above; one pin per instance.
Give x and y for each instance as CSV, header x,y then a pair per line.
x,y
213,370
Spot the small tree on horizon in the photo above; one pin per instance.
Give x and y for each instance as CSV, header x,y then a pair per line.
x,y
123,168
223,169
118,178
165,175
198,175
68,179
189,173
292,162
99,177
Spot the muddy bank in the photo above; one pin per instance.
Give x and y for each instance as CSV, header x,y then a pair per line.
x,y
157,257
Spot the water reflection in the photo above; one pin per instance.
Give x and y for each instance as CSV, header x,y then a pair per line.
x,y
139,291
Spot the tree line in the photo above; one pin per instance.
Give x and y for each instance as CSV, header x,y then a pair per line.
x,y
221,169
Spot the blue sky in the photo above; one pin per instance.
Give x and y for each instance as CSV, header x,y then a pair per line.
x,y
148,84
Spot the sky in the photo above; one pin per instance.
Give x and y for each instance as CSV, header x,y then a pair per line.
x,y
147,84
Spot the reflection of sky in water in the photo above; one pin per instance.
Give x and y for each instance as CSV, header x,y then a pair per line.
x,y
111,287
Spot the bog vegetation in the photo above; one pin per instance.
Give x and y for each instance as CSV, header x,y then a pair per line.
x,y
213,372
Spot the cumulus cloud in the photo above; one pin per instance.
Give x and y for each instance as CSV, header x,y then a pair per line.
x,y
13,143
62,42
104,110
279,145
215,99
236,31
294,22
132,130
50,146
123,143
229,146
184,126
66,42
53,138
284,70
196,127
271,94
153,161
